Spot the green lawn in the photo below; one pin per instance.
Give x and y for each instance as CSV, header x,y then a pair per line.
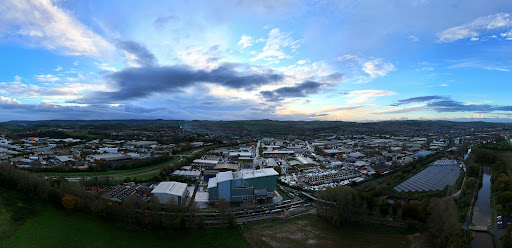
x,y
14,208
53,228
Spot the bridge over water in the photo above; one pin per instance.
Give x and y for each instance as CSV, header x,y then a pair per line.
x,y
478,228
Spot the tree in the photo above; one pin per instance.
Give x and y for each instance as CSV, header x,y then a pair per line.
x,y
343,203
69,202
484,156
225,212
470,183
502,184
443,222
278,169
472,170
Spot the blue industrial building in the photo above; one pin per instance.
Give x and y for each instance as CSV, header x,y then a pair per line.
x,y
243,186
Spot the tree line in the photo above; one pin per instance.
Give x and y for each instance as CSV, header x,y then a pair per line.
x,y
344,205
147,214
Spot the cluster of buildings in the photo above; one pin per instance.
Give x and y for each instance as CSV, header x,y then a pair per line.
x,y
47,153
341,160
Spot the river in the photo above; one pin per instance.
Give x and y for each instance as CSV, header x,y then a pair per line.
x,y
482,212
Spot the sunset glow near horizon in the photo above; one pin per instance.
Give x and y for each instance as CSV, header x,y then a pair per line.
x,y
243,60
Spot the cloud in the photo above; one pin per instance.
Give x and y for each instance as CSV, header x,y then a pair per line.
x,y
161,22
106,67
376,68
402,110
498,21
413,38
419,99
302,61
469,63
479,116
300,90
274,47
47,78
7,100
246,41
138,55
445,104
497,69
361,96
48,110
201,58
507,35
135,83
49,26
59,68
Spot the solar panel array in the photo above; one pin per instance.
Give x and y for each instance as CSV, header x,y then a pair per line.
x,y
432,178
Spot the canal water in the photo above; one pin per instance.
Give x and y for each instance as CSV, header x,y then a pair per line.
x,y
482,212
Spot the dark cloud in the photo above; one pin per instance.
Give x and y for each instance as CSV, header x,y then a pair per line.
x,y
141,82
419,99
454,106
143,56
160,22
225,103
333,78
44,111
300,90
445,104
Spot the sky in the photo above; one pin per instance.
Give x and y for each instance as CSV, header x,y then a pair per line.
x,y
345,60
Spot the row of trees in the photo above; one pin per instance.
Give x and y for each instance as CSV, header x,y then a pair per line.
x,y
150,215
343,205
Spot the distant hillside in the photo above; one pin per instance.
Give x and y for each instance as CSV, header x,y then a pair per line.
x,y
259,127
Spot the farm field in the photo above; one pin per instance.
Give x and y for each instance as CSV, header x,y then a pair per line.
x,y
310,231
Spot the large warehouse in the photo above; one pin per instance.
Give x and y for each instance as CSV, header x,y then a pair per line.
x,y
243,186
168,192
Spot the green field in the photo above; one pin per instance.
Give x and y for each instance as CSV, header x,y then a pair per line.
x,y
14,209
310,231
53,228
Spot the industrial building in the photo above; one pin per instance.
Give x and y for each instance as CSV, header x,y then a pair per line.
x,y
205,164
170,192
187,173
227,167
276,153
139,144
243,186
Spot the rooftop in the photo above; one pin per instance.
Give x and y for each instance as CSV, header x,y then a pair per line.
x,y
173,188
227,166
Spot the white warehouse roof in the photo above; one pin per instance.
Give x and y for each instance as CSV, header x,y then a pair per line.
x,y
173,188
205,161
